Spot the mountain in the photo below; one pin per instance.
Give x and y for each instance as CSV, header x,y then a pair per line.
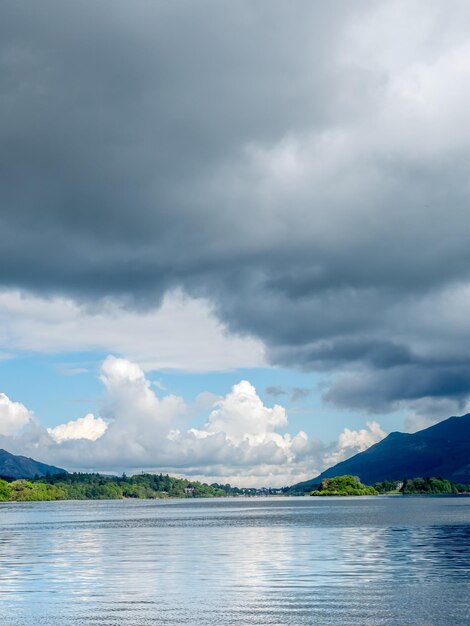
x,y
440,450
12,466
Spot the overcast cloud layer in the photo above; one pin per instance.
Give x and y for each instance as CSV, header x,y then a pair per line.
x,y
302,166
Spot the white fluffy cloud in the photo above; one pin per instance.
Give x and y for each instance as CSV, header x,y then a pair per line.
x,y
351,442
240,440
242,415
88,427
13,415
243,441
131,402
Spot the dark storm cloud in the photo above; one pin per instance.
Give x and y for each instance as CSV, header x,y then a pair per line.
x,y
381,391
327,355
116,122
301,165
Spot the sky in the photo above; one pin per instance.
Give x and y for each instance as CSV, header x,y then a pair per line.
x,y
234,237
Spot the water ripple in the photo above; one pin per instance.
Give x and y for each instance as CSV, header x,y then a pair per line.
x,y
286,562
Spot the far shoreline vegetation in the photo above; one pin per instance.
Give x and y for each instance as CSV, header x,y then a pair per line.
x,y
343,486
351,486
83,486
422,486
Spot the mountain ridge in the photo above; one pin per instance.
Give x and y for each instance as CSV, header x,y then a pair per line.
x,y
18,466
439,450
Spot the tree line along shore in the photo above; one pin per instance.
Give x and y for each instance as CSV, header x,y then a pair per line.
x,y
351,486
82,486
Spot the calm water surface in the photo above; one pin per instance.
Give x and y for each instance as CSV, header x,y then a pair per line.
x,y
280,561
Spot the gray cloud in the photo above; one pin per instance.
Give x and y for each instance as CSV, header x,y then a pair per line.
x,y
298,393
304,169
275,391
295,393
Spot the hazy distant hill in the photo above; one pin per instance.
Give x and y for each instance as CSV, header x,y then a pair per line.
x,y
13,466
441,450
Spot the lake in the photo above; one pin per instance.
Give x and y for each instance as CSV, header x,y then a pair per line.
x,y
238,561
